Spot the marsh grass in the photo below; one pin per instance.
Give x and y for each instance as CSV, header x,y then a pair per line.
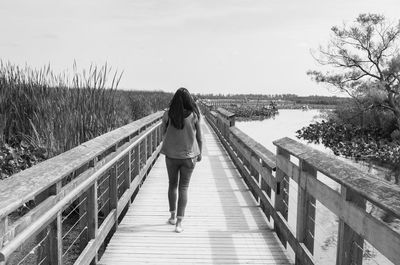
x,y
56,112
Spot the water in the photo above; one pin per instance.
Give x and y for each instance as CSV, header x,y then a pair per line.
x,y
285,124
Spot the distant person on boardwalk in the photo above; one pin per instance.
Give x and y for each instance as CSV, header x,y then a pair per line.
x,y
182,147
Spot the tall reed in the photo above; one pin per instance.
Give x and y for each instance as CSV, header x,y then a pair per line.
x,y
58,112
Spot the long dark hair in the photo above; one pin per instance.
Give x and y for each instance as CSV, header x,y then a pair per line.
x,y
181,101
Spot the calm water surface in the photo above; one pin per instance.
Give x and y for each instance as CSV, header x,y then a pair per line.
x,y
285,124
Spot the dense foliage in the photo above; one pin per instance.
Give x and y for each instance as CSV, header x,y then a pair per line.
x,y
43,114
371,144
305,100
253,112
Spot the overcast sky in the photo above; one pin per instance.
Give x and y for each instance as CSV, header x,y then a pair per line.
x,y
208,46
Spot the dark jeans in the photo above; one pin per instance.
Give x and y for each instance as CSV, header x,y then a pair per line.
x,y
179,173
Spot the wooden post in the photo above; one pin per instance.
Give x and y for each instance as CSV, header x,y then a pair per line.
x,y
267,189
3,230
282,193
225,128
159,135
114,194
350,244
222,127
305,210
130,171
149,145
231,121
254,174
137,160
92,216
127,174
83,222
145,151
55,248
154,141
59,239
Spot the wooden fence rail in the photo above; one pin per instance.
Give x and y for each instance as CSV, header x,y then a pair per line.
x,y
264,172
77,198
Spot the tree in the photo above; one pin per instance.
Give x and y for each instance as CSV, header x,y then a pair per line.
x,y
364,62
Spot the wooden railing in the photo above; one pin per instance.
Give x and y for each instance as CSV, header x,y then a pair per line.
x,y
72,203
298,170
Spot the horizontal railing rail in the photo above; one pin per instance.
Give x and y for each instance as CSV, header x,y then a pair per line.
x,y
349,203
76,198
301,164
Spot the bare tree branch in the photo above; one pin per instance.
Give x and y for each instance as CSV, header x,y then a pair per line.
x,y
367,62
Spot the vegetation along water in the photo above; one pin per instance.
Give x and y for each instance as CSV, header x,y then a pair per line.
x,y
366,63
43,113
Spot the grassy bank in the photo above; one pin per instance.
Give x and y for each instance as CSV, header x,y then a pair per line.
x,y
43,114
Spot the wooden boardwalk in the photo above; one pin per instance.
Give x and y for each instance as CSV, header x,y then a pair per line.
x,y
223,224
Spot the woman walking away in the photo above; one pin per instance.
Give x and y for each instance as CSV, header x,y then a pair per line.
x,y
182,147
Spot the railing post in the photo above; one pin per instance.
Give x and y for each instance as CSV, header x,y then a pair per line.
x,y
127,172
155,143
130,170
149,145
3,230
159,135
137,160
350,244
92,215
231,121
145,142
255,175
114,193
282,193
83,220
305,209
267,189
55,236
